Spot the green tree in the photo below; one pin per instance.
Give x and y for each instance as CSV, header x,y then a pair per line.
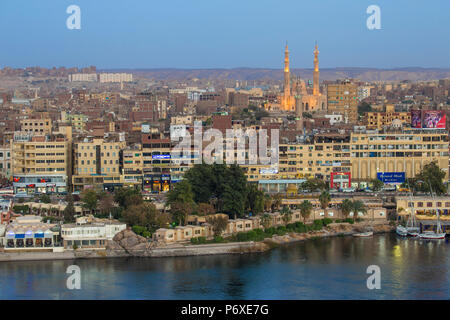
x,y
126,197
181,193
432,177
358,207
69,211
363,108
276,201
89,199
180,212
306,208
324,200
266,220
45,198
346,207
255,199
376,184
145,215
286,214
313,185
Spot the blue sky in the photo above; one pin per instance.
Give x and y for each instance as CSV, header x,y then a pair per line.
x,y
224,33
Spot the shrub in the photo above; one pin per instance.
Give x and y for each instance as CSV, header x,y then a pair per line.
x,y
146,234
218,239
194,240
349,220
242,237
138,230
281,230
327,221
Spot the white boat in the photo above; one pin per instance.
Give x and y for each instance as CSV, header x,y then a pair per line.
x,y
401,231
433,235
363,234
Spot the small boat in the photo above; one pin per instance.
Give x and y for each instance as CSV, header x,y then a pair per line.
x,y
413,231
431,235
363,234
401,231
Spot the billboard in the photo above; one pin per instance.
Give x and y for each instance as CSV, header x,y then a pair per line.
x,y
433,119
391,177
416,119
428,119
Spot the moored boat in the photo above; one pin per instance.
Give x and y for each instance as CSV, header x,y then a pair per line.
x,y
431,235
401,231
363,234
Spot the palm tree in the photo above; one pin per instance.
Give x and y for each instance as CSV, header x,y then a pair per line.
x,y
306,209
266,220
276,201
267,202
346,207
286,214
358,206
324,200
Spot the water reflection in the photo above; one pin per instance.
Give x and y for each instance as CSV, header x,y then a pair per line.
x,y
332,268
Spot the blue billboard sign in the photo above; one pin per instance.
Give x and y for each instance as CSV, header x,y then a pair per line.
x,y
391,177
161,156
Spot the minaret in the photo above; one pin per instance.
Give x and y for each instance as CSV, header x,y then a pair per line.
x,y
298,112
316,89
287,81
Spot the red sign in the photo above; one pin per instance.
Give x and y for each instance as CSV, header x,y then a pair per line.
x,y
340,179
16,179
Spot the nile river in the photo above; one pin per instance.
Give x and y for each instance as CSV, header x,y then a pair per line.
x,y
318,269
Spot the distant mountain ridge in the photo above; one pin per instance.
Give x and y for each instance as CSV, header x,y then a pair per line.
x,y
364,74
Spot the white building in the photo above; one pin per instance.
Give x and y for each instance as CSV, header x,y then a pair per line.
x,y
115,77
334,118
89,235
84,77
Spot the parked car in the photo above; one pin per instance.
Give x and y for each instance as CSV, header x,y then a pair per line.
x,y
348,189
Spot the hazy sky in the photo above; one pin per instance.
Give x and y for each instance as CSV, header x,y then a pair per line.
x,y
224,33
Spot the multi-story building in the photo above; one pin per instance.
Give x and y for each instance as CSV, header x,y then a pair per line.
x,y
115,77
378,120
354,158
40,126
41,163
133,165
343,99
97,163
5,162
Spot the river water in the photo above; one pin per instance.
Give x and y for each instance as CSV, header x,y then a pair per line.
x,y
333,268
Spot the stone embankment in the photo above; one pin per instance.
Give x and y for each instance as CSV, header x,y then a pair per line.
x,y
332,230
127,244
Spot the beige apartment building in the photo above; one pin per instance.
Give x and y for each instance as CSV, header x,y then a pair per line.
x,y
378,120
356,158
41,164
343,99
38,126
97,163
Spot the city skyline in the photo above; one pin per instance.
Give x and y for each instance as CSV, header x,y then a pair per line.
x,y
244,35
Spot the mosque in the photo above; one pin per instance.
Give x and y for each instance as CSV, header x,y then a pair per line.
x,y
295,91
